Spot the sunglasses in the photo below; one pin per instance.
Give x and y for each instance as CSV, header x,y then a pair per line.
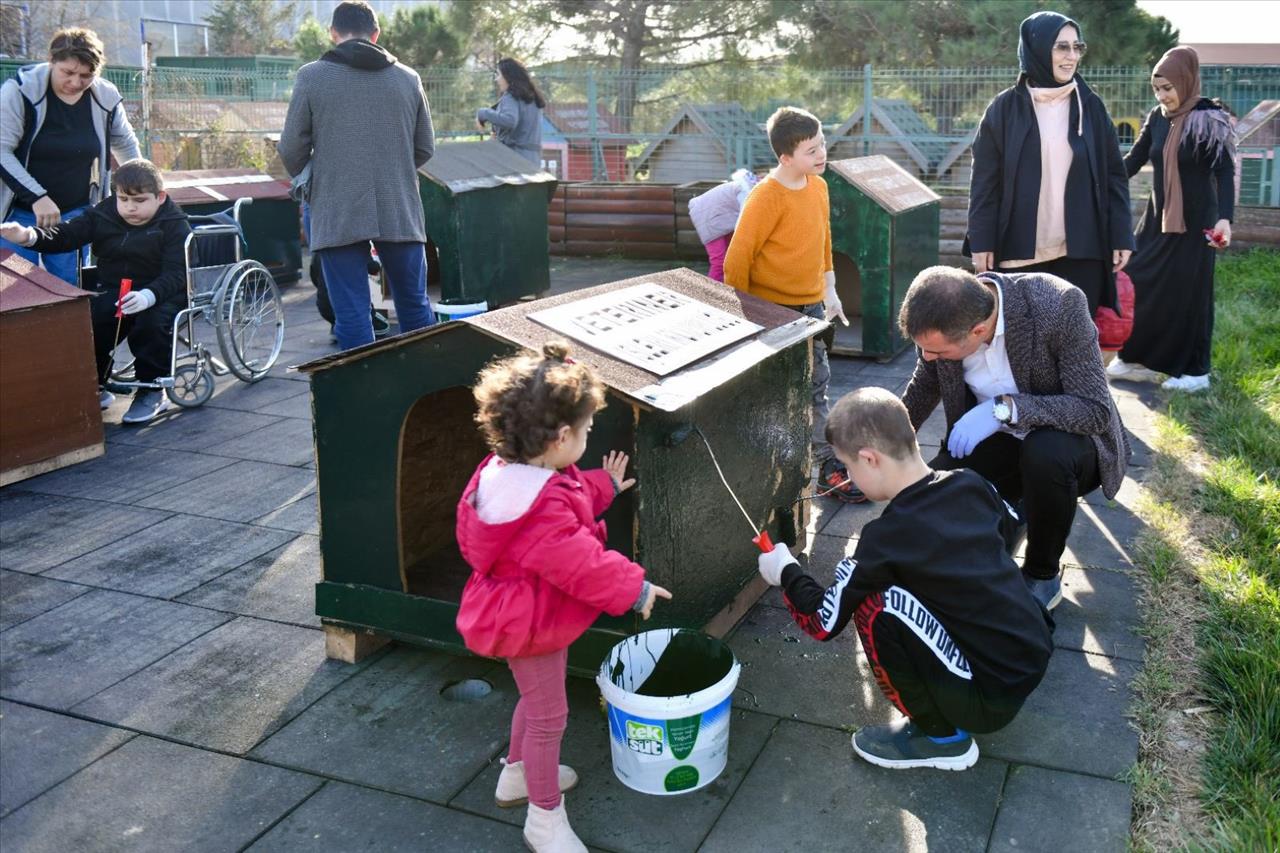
x,y
1067,46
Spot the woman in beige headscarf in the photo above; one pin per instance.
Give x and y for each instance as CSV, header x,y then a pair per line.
x,y
1189,142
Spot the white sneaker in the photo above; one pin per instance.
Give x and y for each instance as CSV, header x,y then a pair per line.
x,y
1190,384
549,831
514,791
1118,369
105,398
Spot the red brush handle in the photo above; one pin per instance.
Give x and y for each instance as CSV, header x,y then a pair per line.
x,y
126,285
762,541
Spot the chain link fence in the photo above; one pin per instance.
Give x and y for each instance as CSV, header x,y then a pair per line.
x,y
677,125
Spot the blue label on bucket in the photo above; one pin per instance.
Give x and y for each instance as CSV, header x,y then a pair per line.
x,y
652,737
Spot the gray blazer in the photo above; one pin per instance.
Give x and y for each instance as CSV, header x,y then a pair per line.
x,y
1053,351
365,132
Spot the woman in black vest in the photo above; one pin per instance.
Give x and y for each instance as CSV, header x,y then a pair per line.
x,y
1049,191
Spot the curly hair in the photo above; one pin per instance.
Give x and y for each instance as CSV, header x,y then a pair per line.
x,y
522,401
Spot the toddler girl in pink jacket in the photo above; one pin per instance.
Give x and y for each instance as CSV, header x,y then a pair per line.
x,y
527,526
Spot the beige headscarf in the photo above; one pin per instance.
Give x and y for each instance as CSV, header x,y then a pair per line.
x,y
1181,67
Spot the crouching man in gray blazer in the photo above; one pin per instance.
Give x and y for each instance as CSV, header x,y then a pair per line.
x,y
1014,359
361,120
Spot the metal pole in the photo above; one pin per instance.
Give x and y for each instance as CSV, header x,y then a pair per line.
x,y
146,99
597,156
1275,176
866,109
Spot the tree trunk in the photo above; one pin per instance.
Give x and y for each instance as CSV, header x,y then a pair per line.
x,y
633,36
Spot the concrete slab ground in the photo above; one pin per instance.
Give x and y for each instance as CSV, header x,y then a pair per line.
x,y
163,683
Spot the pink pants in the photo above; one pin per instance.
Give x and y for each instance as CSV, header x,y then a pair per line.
x,y
716,250
538,723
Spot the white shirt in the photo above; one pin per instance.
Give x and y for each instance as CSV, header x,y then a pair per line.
x,y
987,371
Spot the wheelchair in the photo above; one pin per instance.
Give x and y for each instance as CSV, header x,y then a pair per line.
x,y
235,296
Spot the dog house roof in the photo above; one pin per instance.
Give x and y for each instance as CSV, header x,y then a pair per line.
x,y
465,166
24,285
781,329
892,187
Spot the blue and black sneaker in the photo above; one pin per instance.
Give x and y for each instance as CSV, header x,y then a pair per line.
x,y
901,746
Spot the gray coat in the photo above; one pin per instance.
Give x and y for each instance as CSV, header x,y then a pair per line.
x,y
362,121
24,101
1053,352
519,125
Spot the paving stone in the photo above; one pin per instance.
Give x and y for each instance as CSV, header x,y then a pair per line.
x,y
808,790
188,429
780,663
605,812
126,474
254,396
1064,812
25,596
71,652
1128,496
819,560
172,557
1098,613
289,441
301,516
1100,536
239,492
150,795
344,817
389,727
932,431
848,523
38,532
279,585
297,406
41,749
1075,719
226,690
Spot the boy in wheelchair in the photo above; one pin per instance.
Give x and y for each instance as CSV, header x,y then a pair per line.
x,y
138,233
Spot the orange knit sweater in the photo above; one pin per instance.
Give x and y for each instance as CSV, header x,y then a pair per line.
x,y
782,244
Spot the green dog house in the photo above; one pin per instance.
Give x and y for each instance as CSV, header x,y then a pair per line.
x,y
390,478
884,230
486,209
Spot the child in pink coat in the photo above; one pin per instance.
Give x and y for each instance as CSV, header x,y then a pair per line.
x,y
715,216
527,526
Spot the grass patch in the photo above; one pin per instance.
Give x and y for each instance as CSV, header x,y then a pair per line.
x,y
1211,677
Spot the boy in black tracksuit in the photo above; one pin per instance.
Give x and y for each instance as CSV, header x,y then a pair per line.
x,y
953,636
139,234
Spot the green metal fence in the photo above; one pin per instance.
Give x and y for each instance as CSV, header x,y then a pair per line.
x,y
673,123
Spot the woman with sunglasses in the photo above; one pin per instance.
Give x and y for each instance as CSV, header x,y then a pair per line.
x,y
1049,191
1190,145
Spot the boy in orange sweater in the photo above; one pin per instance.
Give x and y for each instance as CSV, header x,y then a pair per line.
x,y
781,251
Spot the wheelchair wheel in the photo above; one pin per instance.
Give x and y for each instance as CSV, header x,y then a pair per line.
x,y
249,317
192,386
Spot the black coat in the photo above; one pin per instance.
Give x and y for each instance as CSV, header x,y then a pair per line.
x,y
1004,193
1208,180
152,254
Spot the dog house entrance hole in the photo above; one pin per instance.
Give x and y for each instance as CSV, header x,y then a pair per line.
x,y
849,289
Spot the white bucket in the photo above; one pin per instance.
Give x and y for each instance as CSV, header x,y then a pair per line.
x,y
668,744
447,309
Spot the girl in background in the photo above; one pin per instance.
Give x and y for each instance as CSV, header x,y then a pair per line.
x,y
541,574
715,217
517,117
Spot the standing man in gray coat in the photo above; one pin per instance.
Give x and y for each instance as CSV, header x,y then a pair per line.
x,y
1014,360
360,120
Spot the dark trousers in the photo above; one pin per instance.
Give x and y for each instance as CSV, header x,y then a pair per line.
x,y
346,276
1092,277
149,333
920,669
1048,470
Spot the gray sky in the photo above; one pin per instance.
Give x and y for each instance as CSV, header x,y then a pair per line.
x,y
1222,21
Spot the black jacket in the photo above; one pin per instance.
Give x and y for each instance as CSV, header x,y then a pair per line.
x,y
152,254
1207,172
944,540
1004,193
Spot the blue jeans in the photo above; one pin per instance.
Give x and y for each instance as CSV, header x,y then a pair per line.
x,y
63,265
346,276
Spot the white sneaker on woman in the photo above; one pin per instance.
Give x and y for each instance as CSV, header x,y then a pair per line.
x,y
1190,384
548,831
1118,369
513,790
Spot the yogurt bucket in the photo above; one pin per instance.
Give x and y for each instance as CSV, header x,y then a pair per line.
x,y
456,309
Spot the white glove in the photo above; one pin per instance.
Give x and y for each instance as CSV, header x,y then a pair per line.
x,y
831,301
137,301
772,564
19,235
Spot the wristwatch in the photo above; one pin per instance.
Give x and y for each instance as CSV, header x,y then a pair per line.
x,y
1001,409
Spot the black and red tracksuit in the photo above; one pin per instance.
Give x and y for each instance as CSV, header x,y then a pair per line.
x,y
952,634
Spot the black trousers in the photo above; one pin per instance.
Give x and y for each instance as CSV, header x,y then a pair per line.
x,y
1047,471
920,669
1091,276
150,334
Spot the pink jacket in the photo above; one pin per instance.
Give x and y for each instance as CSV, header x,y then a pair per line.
x,y
539,581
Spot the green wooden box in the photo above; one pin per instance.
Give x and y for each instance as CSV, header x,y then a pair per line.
x,y
884,230
396,444
486,210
